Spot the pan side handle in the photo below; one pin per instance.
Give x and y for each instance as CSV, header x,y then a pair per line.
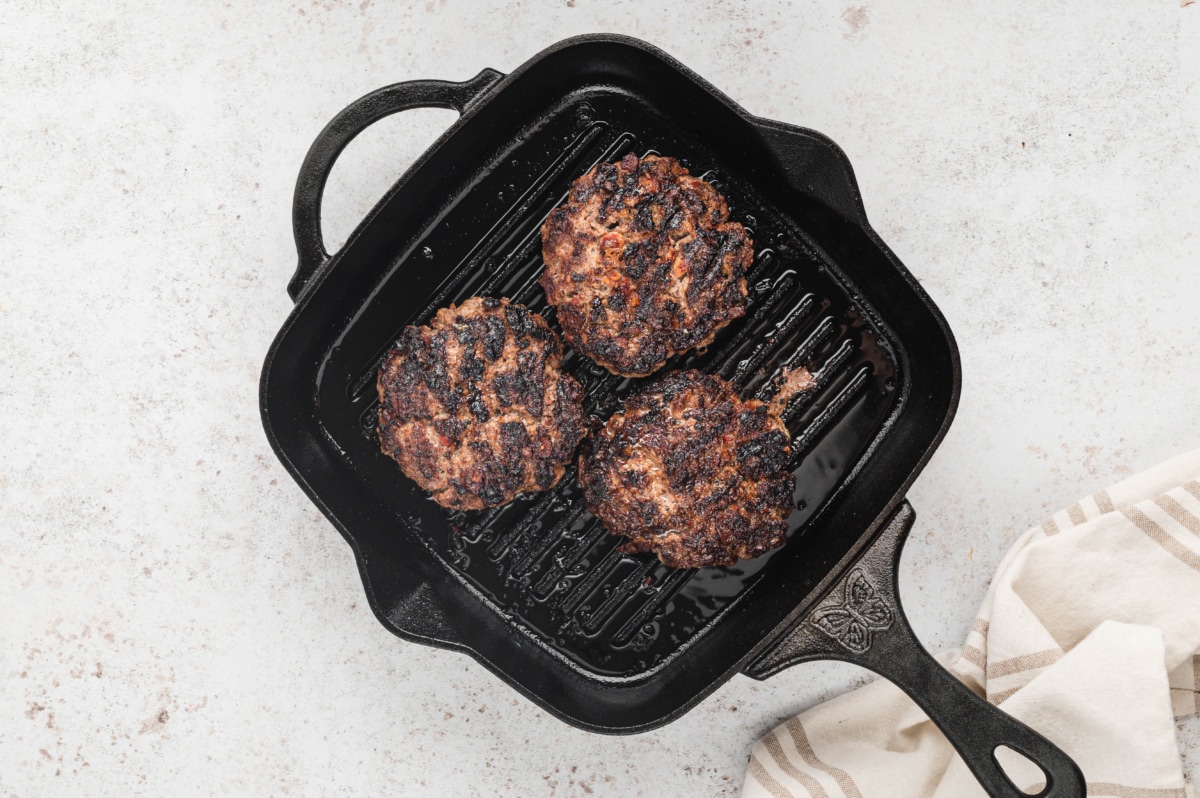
x,y
341,130
861,621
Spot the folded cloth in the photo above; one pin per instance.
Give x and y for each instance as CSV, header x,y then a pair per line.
x,y
1089,633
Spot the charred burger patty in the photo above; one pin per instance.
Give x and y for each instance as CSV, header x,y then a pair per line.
x,y
474,407
691,472
642,263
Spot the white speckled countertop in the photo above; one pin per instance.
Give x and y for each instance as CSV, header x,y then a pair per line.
x,y
178,619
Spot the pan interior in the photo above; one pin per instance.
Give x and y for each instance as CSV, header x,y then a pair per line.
x,y
543,561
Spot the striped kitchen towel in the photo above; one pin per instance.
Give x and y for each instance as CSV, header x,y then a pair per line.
x,y
1089,633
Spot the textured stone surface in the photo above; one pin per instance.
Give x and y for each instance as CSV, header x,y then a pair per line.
x,y
178,618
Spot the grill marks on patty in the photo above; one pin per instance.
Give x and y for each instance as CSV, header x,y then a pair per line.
x,y
692,473
475,408
642,263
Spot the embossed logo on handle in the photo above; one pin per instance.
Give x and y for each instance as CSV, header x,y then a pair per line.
x,y
860,613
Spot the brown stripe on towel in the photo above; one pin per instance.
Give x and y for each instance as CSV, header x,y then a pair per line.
x,y
1104,502
981,626
1025,662
1107,788
1050,527
800,740
1123,791
997,698
1075,513
1179,514
1193,487
1160,536
975,657
806,781
764,778
1196,679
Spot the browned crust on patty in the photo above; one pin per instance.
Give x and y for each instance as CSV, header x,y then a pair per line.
x,y
474,407
692,473
642,263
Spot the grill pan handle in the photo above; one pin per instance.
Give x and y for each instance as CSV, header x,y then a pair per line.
x,y
341,130
876,635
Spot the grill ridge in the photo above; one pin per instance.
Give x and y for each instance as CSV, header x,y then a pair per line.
x,y
747,366
570,600
551,579
524,563
802,442
473,531
665,590
819,336
725,354
822,377
595,620
504,541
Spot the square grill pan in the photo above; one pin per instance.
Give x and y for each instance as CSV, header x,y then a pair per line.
x,y
535,590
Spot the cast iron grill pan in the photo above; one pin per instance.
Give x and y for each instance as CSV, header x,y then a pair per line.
x,y
536,590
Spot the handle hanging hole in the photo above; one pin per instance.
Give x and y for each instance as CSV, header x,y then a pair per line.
x,y
1025,774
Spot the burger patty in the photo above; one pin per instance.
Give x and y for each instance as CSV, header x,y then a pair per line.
x,y
642,263
475,408
691,472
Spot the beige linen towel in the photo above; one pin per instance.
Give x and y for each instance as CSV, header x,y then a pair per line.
x,y
1089,633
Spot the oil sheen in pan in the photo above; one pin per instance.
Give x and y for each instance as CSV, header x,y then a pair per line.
x,y
551,567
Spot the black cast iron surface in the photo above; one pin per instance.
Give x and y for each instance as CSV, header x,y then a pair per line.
x,y
535,590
